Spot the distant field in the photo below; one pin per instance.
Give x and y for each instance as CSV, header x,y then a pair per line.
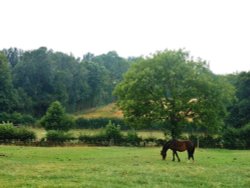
x,y
107,111
121,167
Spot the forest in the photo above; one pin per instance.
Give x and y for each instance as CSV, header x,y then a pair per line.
x,y
32,80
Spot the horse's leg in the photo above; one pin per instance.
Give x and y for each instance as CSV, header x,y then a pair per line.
x,y
173,155
192,156
189,155
192,153
177,156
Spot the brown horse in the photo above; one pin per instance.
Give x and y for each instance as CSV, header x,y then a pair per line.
x,y
175,146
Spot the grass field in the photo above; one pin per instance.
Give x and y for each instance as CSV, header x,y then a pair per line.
x,y
120,167
107,111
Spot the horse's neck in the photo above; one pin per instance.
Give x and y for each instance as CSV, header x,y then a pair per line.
x,y
166,147
170,144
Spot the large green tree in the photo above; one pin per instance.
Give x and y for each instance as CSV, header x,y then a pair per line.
x,y
240,110
173,90
34,76
56,118
8,98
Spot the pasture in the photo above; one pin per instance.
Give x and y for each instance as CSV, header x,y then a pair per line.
x,y
120,167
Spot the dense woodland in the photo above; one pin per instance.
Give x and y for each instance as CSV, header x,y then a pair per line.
x,y
30,81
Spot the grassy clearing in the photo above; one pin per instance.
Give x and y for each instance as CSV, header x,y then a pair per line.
x,y
120,167
107,111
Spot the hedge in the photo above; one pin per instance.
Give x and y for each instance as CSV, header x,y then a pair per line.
x,y
9,133
17,118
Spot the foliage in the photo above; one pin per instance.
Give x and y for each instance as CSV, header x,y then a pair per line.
x,y
56,119
24,135
42,76
170,89
237,138
58,136
133,138
17,118
97,123
113,133
7,131
34,75
10,133
8,98
240,110
207,141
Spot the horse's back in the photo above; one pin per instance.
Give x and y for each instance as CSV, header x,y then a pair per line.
x,y
182,145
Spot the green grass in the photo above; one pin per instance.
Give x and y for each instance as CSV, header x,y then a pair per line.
x,y
107,111
120,167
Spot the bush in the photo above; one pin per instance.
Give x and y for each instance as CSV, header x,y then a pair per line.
x,y
24,135
17,118
111,135
99,139
58,136
7,132
132,138
232,139
237,138
207,141
245,134
56,119
10,133
97,123
112,131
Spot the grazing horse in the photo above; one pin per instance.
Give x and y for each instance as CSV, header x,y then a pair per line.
x,y
175,146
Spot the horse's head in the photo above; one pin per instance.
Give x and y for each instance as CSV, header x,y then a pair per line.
x,y
164,150
163,154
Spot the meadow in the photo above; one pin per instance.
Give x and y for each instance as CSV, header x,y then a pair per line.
x,y
120,167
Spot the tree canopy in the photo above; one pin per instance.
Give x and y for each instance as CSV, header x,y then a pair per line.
x,y
56,118
172,89
34,79
8,98
240,109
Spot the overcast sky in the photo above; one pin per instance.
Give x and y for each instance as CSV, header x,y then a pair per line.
x,y
215,30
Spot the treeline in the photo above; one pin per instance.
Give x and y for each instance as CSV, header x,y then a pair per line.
x,y
31,80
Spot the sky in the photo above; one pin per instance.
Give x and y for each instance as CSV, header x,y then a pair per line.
x,y
217,31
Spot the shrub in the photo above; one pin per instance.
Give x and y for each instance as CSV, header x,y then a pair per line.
x,y
99,139
232,139
7,132
17,118
56,119
97,123
245,134
237,138
207,141
24,135
133,138
58,136
10,133
113,133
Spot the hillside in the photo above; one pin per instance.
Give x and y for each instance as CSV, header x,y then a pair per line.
x,y
108,111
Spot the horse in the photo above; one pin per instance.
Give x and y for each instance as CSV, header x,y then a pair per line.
x,y
176,145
